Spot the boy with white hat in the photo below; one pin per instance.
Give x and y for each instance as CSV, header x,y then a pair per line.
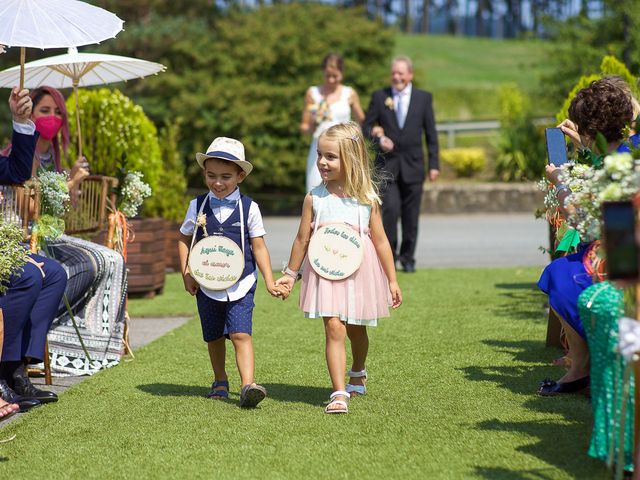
x,y
228,312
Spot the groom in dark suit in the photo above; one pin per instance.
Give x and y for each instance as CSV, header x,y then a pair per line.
x,y
403,112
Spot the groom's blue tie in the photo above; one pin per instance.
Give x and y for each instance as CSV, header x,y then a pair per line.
x,y
216,202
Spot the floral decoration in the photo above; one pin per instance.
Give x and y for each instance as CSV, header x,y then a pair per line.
x,y
321,111
13,255
617,179
54,204
389,103
133,193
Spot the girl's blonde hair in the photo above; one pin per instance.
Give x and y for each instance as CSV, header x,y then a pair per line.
x,y
355,162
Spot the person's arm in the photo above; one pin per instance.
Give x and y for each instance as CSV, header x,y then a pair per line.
x,y
306,125
372,131
16,168
383,249
356,108
431,136
300,244
263,260
562,191
190,284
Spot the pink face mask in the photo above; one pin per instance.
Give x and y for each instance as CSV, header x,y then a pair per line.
x,y
48,126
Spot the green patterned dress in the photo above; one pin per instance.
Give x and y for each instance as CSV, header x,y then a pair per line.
x,y
600,307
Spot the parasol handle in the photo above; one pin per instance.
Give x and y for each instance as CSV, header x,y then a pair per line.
x,y
75,92
23,55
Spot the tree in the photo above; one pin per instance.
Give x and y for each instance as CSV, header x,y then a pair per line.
x,y
579,43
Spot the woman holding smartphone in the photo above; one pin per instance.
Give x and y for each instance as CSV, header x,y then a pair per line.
x,y
602,107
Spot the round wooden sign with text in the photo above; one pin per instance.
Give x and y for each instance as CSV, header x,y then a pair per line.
x,y
216,262
335,251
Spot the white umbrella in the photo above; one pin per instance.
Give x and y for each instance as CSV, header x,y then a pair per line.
x,y
54,24
75,70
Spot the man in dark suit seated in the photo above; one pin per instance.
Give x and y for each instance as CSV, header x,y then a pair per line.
x,y
396,118
33,296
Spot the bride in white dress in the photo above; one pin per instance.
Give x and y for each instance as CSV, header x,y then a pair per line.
x,y
327,105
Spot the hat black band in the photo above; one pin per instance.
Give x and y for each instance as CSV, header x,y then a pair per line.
x,y
223,155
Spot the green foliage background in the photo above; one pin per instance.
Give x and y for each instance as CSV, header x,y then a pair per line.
x,y
118,135
521,145
244,74
609,65
578,44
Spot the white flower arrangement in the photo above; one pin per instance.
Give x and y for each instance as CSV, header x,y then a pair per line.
x,y
618,179
133,193
54,193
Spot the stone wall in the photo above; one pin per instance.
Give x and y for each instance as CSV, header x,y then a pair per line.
x,y
459,197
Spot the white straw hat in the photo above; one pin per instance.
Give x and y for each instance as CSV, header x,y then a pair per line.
x,y
228,149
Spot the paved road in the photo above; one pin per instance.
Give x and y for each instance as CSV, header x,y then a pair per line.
x,y
470,240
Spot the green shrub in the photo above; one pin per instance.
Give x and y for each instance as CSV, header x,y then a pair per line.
x,y
170,203
465,161
115,129
610,65
521,145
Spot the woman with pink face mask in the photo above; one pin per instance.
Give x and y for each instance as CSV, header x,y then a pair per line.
x,y
96,283
50,117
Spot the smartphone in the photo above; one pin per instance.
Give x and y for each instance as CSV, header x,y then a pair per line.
x,y
620,243
556,146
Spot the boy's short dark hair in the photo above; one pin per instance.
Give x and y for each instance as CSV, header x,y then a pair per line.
x,y
222,160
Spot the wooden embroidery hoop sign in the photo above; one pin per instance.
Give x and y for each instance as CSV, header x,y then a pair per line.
x,y
216,262
335,249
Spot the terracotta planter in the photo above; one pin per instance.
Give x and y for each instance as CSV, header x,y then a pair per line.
x,y
146,256
171,237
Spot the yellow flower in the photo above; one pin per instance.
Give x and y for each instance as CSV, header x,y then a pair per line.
x,y
389,103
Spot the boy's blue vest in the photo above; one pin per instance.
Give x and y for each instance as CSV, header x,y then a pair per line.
x,y
229,229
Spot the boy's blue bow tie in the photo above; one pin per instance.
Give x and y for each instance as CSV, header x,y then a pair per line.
x,y
216,202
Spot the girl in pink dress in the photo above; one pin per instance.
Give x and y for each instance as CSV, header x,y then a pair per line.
x,y
348,306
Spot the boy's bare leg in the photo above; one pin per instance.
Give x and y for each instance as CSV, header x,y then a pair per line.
x,y
217,352
359,348
243,344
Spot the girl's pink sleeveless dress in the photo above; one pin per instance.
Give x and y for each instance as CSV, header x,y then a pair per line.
x,y
363,297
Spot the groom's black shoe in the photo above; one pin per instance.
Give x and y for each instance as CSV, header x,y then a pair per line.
x,y
22,386
409,267
10,396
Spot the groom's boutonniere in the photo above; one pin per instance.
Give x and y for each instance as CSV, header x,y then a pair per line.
x,y
389,103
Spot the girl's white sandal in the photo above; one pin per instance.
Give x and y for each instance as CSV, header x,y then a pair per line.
x,y
343,407
357,389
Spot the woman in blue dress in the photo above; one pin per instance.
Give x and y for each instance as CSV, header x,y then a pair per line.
x,y
603,107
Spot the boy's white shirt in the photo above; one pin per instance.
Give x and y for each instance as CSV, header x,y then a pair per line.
x,y
254,227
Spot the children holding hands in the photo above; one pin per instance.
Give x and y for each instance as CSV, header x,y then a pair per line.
x,y
349,301
228,312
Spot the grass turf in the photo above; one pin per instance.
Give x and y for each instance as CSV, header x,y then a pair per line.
x,y
450,396
465,73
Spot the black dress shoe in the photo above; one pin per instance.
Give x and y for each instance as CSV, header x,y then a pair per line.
x,y
409,267
26,389
550,388
10,396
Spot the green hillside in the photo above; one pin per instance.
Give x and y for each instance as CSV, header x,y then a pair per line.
x,y
465,74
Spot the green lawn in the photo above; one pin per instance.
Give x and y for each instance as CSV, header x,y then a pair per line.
x,y
450,397
465,73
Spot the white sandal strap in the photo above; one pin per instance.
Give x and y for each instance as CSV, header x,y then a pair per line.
x,y
339,393
361,373
342,403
